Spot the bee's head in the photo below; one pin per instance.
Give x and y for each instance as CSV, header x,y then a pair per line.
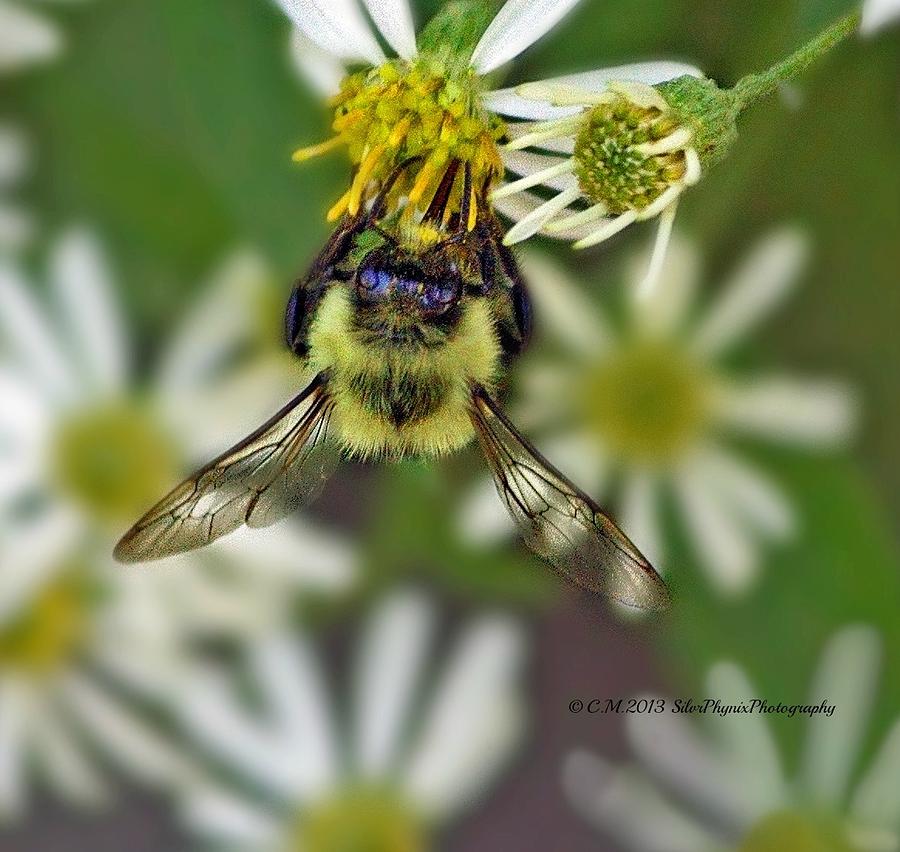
x,y
415,290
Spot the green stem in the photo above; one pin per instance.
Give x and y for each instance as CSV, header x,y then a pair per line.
x,y
755,86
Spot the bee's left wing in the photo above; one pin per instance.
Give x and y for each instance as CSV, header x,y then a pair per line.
x,y
257,482
558,520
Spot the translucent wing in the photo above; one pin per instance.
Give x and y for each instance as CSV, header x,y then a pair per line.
x,y
560,522
257,482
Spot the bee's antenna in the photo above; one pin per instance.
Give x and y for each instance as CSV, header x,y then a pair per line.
x,y
381,199
435,211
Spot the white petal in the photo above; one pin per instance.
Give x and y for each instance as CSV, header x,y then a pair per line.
x,y
30,337
650,284
297,551
747,743
213,717
289,675
472,721
65,762
875,802
15,714
516,130
531,224
723,546
14,155
515,28
746,491
394,20
624,803
89,310
784,408
518,206
25,38
526,163
559,302
389,666
223,817
322,70
662,311
687,764
24,416
337,26
483,520
16,227
131,743
508,102
760,284
877,14
639,515
846,677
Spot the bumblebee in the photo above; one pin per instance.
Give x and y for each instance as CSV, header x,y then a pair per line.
x,y
409,327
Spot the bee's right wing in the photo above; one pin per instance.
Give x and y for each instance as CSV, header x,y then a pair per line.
x,y
558,520
257,482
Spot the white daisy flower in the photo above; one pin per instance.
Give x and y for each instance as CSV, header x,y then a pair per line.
x,y
879,14
616,147
428,106
75,436
15,224
726,788
654,407
409,753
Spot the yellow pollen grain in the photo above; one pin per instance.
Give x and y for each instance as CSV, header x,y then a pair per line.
x,y
310,151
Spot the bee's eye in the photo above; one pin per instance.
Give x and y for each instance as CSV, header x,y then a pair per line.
x,y
373,283
438,296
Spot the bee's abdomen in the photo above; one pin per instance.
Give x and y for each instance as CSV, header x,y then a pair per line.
x,y
400,400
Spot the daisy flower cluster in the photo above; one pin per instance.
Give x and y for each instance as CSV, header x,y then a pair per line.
x,y
83,447
725,787
650,409
595,151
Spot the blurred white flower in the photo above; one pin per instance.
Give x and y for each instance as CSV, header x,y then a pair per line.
x,y
408,754
81,453
652,404
67,646
879,14
77,436
726,789
26,37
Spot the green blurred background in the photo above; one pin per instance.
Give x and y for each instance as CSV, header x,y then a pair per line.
x,y
168,125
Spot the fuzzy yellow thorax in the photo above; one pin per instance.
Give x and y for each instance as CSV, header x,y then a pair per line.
x,y
470,355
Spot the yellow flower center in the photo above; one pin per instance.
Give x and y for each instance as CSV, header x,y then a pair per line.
x,y
112,461
50,630
647,402
796,832
615,162
413,109
360,821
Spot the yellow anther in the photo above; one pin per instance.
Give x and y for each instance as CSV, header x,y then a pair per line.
x,y
473,209
362,178
339,207
310,151
398,134
423,181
